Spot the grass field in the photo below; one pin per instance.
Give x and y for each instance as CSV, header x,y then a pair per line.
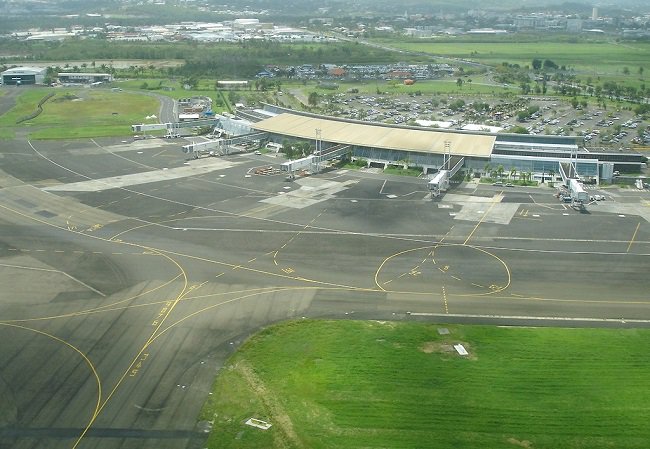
x,y
352,384
597,57
76,113
427,87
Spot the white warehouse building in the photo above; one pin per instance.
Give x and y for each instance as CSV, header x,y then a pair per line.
x,y
23,75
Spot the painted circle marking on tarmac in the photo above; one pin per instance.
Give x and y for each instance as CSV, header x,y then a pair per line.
x,y
409,271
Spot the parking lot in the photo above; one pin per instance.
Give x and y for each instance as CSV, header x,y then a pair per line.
x,y
596,127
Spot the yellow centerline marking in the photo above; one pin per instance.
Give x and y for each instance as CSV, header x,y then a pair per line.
x,y
308,225
481,220
633,237
86,359
141,355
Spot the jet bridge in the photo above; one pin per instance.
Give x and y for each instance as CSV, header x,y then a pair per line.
x,y
570,178
456,163
441,180
170,127
313,161
567,171
439,183
227,125
224,146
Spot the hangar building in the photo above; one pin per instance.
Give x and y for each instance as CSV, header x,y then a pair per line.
x,y
23,75
84,78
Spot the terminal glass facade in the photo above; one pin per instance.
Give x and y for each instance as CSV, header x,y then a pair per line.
x,y
390,156
587,168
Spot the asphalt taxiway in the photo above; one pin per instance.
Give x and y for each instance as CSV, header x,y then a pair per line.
x,y
130,274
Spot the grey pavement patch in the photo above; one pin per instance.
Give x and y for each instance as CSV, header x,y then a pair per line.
x,y
477,208
29,281
66,211
311,191
464,199
611,207
264,211
46,213
195,168
73,296
498,213
119,148
25,203
9,181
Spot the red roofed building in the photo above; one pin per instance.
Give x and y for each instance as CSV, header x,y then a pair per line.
x,y
336,71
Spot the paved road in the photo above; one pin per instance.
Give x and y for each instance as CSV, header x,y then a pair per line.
x,y
8,99
123,297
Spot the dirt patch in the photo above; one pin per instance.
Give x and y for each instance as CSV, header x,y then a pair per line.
x,y
521,443
429,347
390,324
445,347
287,436
66,97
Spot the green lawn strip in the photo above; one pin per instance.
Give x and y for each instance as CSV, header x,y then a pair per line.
x,y
81,113
595,56
175,90
368,384
26,103
414,172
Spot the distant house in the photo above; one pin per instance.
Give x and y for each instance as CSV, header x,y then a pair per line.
x,y
337,72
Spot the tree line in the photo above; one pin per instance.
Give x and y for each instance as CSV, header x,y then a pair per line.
x,y
220,60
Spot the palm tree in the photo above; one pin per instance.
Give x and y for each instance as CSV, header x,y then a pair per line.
x,y
526,176
513,173
487,168
500,171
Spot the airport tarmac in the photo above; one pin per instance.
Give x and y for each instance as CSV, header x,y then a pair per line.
x,y
130,274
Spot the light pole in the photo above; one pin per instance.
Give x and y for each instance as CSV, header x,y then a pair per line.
x,y
447,156
318,145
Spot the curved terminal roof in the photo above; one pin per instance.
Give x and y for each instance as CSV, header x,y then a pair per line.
x,y
377,136
16,71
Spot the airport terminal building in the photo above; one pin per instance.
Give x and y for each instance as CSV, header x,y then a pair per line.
x,y
382,145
